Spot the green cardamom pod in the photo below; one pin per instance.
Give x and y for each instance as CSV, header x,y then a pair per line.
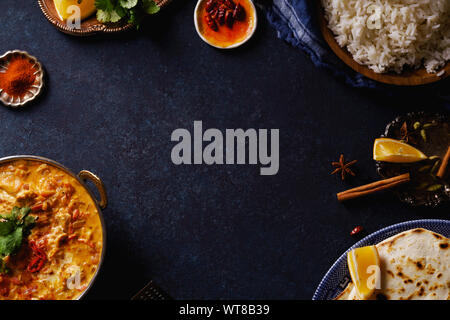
x,y
424,135
423,185
435,166
425,168
427,125
434,187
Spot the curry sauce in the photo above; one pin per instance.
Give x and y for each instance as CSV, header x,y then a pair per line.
x,y
62,253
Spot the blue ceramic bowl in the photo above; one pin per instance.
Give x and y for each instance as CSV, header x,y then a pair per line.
x,y
338,277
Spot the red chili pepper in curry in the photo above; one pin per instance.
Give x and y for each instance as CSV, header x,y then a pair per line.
x,y
225,22
38,257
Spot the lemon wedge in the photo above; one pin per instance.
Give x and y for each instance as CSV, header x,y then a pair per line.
x,y
391,150
63,7
364,266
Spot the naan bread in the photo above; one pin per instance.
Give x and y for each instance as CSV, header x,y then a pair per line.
x,y
415,264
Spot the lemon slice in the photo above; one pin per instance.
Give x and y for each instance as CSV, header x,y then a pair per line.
x,y
391,150
65,11
364,267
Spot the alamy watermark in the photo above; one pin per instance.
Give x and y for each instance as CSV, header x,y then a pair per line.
x,y
231,148
374,280
374,20
74,281
74,20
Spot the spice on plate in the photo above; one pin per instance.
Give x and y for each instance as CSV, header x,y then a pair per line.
x,y
343,167
374,187
444,165
406,135
19,77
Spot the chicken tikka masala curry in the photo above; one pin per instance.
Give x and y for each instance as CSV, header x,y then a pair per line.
x,y
50,233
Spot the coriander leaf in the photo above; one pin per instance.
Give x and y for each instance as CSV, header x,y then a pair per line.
x,y
121,11
11,243
6,227
114,16
15,213
24,213
128,4
103,16
131,10
105,5
28,224
29,221
135,17
14,227
150,6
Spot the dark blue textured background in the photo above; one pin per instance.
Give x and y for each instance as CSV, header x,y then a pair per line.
x,y
110,106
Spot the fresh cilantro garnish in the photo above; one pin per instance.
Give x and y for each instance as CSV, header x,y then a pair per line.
x,y
131,10
149,6
14,227
128,4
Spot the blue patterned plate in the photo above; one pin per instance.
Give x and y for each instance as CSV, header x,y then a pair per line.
x,y
337,278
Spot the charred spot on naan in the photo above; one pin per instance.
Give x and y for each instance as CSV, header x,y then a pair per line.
x,y
408,281
430,270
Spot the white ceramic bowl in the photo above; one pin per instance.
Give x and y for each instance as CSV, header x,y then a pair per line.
x,y
234,45
35,89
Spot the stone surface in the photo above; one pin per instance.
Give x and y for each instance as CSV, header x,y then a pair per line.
x,y
110,105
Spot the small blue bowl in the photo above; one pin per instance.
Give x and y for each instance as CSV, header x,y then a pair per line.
x,y
338,277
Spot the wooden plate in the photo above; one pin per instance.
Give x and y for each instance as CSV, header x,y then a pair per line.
x,y
90,25
406,78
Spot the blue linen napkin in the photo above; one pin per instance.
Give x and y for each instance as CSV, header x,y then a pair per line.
x,y
296,22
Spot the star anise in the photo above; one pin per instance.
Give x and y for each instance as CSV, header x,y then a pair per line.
x,y
343,167
405,134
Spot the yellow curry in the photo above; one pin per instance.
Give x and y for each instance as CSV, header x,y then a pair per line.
x,y
61,254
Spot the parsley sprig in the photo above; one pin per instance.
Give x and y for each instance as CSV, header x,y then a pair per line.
x,y
131,10
14,227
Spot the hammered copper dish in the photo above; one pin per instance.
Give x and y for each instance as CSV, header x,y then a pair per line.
x,y
437,140
81,177
89,26
36,88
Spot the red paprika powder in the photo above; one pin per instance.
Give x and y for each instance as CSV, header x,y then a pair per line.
x,y
19,77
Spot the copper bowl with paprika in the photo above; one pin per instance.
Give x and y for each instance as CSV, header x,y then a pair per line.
x,y
21,78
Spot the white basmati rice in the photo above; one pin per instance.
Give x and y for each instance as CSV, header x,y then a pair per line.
x,y
412,32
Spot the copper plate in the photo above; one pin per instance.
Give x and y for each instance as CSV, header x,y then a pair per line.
x,y
90,25
406,78
36,88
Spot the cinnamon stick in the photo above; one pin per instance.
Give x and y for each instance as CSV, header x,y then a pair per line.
x,y
373,187
444,164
